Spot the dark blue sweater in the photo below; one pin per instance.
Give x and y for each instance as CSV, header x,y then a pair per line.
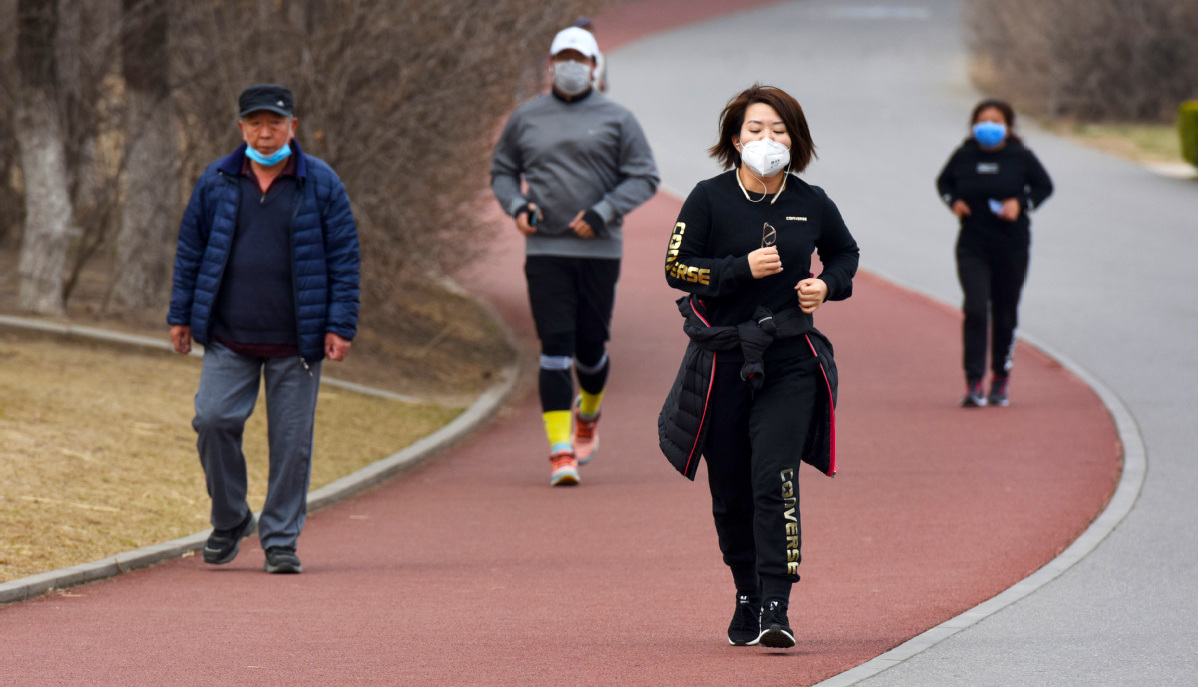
x,y
256,303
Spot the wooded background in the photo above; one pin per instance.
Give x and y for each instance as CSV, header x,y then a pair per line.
x,y
1089,60
110,109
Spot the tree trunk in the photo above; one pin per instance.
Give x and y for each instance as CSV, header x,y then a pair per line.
x,y
143,245
39,132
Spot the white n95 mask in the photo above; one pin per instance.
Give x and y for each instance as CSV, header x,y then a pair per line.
x,y
765,157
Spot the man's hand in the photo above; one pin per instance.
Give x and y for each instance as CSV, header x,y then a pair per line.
x,y
522,224
765,261
181,338
961,208
335,347
580,227
812,294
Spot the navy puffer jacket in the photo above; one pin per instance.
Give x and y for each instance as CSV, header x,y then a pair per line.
x,y
324,252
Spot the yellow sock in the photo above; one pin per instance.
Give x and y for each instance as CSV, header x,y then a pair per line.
x,y
590,403
557,427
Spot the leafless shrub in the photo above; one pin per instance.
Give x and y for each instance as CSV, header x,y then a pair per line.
x,y
1129,60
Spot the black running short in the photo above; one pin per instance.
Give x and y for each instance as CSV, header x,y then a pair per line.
x,y
572,296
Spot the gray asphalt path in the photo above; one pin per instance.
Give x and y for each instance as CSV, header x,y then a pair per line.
x,y
1111,288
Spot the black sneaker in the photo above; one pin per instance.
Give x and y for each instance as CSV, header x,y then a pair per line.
x,y
775,628
975,396
998,392
222,545
745,626
282,559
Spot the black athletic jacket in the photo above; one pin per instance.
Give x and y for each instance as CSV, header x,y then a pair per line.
x,y
708,257
682,423
978,176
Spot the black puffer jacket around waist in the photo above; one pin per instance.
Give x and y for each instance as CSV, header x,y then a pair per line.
x,y
682,423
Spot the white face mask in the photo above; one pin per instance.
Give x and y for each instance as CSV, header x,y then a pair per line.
x,y
765,157
571,78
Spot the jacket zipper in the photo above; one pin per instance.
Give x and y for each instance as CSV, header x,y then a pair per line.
x,y
706,399
225,261
299,199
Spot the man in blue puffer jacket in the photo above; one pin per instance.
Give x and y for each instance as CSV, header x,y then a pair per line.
x,y
266,278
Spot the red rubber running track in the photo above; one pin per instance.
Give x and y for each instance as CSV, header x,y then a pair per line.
x,y
471,570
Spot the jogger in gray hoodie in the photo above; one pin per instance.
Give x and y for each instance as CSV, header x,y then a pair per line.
x,y
586,164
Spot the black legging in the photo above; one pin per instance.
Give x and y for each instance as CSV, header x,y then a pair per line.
x,y
572,301
992,278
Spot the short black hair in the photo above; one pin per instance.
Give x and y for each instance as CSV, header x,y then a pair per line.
x,y
802,148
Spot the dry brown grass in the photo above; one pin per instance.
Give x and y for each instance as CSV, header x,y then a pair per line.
x,y
97,455
1143,143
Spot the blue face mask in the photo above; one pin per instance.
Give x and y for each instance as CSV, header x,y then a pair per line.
x,y
268,160
989,134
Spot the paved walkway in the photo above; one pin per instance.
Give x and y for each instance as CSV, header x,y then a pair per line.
x,y
471,570
1110,288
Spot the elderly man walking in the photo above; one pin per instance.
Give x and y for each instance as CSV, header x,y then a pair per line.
x,y
266,278
586,164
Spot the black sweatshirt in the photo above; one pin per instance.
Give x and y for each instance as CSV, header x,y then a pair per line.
x,y
978,176
718,228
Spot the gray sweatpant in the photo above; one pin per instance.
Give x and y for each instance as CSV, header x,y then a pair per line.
x,y
228,390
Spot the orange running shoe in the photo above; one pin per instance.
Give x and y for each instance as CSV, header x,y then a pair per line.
x,y
586,436
565,469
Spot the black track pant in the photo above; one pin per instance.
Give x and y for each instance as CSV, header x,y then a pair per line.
x,y
754,441
992,278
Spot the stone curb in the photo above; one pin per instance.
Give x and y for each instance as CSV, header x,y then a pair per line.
x,y
1173,170
96,334
483,408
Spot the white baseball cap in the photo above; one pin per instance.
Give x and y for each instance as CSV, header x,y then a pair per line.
x,y
575,38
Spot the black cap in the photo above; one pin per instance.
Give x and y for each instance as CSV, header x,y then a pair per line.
x,y
266,96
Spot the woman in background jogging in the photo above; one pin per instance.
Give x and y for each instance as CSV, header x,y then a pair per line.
x,y
990,183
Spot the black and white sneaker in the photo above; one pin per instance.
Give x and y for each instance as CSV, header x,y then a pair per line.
x,y
998,392
745,626
222,545
775,628
975,395
282,560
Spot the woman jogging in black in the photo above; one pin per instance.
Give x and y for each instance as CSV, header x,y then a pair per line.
x,y
991,182
756,391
